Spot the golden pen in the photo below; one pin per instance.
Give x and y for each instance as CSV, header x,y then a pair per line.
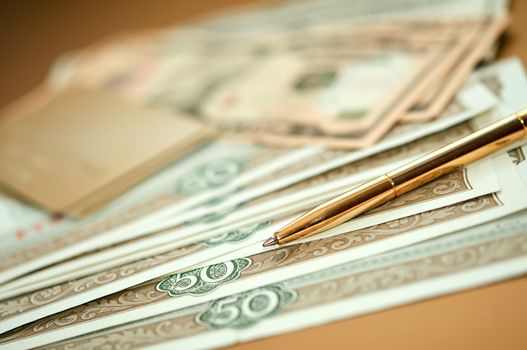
x,y
404,179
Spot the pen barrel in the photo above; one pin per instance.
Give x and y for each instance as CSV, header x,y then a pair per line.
x,y
459,153
339,209
407,177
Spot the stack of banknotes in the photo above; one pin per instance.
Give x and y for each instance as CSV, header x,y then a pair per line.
x,y
313,97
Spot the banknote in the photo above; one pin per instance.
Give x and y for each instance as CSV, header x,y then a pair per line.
x,y
513,88
331,182
228,102
317,77
316,93
21,220
433,104
474,181
494,77
470,102
253,265
264,18
425,270
477,179
213,172
32,306
435,100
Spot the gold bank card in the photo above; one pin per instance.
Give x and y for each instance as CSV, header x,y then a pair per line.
x,y
86,144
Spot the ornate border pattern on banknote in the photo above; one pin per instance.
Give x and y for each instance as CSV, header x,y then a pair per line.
x,y
141,295
312,294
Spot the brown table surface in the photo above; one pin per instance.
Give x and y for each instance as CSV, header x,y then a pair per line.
x,y
33,33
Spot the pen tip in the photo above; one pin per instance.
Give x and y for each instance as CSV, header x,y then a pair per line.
x,y
270,241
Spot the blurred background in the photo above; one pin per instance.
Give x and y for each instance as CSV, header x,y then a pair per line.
x,y
34,33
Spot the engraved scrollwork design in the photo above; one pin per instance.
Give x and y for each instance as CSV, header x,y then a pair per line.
x,y
45,296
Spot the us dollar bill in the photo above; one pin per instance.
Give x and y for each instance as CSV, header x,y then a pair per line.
x,y
300,14
309,102
435,101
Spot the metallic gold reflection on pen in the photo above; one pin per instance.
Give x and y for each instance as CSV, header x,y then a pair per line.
x,y
404,179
